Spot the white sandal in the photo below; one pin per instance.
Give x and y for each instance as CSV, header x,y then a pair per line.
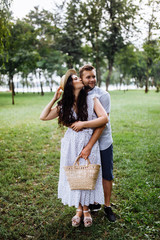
x,y
87,220
76,220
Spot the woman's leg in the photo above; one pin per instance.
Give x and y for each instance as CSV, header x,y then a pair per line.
x,y
87,216
79,211
76,220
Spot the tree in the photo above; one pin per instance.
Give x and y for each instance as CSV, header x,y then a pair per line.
x,y
51,60
69,37
91,20
138,70
125,60
156,75
152,23
4,24
151,54
22,56
118,22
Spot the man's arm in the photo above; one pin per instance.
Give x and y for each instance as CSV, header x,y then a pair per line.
x,y
95,136
105,101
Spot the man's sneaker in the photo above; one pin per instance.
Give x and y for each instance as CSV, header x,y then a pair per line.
x,y
109,214
95,207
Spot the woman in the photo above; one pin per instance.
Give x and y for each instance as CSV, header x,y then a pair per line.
x,y
76,106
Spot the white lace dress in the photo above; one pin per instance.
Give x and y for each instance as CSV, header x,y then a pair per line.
x,y
71,145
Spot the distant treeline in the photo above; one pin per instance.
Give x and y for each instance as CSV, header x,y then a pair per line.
x,y
99,32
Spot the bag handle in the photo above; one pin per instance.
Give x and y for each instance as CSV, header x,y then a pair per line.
x,y
77,161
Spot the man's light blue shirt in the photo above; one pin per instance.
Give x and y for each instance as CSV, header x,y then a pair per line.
x,y
105,139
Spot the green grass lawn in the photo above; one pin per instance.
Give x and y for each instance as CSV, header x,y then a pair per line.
x,y
29,168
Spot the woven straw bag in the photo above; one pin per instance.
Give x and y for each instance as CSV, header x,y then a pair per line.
x,y
82,177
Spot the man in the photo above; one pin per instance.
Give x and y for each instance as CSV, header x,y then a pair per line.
x,y
88,76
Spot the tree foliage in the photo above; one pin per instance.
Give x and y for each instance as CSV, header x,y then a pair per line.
x,y
91,15
69,38
150,46
118,22
45,43
22,56
4,24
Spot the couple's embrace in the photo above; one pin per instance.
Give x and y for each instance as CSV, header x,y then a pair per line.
x,y
84,109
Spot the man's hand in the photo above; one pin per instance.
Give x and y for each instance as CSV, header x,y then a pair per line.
x,y
85,152
77,126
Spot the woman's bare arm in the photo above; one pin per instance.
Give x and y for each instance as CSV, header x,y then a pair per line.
x,y
48,112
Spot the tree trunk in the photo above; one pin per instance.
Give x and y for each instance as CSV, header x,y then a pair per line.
x,y
27,86
146,85
147,80
17,88
70,62
98,73
23,86
157,88
9,85
42,93
147,77
109,76
12,89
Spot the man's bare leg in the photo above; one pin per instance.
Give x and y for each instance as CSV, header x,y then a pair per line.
x,y
107,187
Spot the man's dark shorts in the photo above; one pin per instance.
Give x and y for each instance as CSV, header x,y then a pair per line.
x,y
107,163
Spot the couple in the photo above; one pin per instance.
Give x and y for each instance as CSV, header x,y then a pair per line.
x,y
84,109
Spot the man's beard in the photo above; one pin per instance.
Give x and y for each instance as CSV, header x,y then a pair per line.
x,y
88,88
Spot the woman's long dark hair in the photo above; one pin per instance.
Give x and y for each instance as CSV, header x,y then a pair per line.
x,y
65,105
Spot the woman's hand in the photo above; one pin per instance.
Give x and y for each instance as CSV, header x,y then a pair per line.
x,y
77,126
57,94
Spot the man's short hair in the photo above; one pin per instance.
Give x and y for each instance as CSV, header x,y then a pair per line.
x,y
86,67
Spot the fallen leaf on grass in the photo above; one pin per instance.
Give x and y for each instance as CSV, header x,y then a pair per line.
x,y
29,236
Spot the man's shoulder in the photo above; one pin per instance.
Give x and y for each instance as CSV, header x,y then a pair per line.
x,y
99,91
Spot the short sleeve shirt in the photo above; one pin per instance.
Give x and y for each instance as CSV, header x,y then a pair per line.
x,y
105,139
